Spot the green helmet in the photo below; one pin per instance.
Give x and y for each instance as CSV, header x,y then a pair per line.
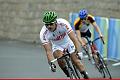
x,y
49,17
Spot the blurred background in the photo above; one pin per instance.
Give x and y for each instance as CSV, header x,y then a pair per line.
x,y
22,19
21,22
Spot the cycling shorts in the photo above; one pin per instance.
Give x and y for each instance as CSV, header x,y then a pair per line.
x,y
87,33
70,46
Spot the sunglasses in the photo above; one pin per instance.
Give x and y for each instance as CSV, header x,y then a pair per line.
x,y
49,24
83,18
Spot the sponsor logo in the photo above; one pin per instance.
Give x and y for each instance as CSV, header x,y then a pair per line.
x,y
59,37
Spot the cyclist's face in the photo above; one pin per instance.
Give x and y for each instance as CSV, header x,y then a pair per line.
x,y
51,26
83,19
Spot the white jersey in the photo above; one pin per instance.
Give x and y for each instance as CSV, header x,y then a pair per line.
x,y
59,37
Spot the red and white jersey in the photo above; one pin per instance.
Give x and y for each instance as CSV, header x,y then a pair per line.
x,y
59,36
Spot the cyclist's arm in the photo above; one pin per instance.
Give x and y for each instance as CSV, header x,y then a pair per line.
x,y
79,36
46,44
97,28
48,50
74,39
93,22
71,34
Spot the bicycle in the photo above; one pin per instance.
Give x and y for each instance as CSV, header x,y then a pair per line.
x,y
72,70
99,62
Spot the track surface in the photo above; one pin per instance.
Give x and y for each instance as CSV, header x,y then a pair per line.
x,y
25,60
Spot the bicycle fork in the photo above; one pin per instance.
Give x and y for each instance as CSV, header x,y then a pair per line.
x,y
70,69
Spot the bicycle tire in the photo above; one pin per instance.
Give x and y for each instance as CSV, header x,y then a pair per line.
x,y
104,66
77,72
70,69
100,70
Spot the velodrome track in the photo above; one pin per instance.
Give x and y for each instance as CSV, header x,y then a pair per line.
x,y
26,60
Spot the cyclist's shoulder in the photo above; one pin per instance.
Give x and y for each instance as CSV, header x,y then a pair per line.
x,y
43,30
63,22
77,20
90,17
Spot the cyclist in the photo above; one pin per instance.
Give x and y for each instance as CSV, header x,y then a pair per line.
x,y
57,35
82,24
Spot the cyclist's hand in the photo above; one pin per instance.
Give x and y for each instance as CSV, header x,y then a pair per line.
x,y
80,55
53,67
83,44
102,38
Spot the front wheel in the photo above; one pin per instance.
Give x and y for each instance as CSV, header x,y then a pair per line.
x,y
70,69
103,66
77,72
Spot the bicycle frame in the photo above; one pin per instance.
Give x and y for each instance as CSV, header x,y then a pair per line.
x,y
92,45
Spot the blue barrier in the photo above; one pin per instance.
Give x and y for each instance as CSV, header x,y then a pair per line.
x,y
114,39
72,18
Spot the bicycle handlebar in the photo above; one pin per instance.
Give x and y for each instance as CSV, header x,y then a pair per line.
x,y
60,57
53,66
89,41
99,38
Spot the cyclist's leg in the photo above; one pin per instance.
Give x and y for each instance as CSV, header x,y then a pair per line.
x,y
61,63
75,60
94,52
79,65
86,51
83,35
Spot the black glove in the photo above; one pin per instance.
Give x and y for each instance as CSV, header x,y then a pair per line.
x,y
52,67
